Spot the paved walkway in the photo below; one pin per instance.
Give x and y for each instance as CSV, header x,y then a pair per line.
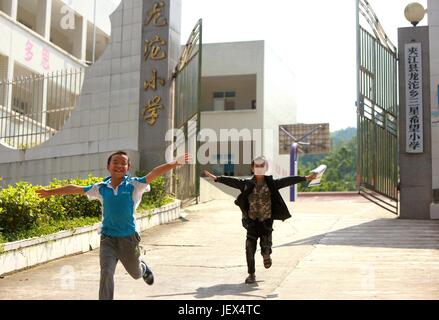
x,y
332,248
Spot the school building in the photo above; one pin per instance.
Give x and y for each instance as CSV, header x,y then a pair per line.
x,y
44,48
244,87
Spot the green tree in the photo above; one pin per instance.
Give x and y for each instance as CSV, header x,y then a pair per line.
x,y
341,171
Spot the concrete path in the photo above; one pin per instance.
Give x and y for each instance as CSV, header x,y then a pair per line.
x,y
332,248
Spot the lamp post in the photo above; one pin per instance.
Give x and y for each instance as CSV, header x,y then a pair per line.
x,y
414,12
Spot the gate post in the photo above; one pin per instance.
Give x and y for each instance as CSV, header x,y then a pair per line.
x,y
160,52
415,163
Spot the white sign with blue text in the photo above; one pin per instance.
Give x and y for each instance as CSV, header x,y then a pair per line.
x,y
413,88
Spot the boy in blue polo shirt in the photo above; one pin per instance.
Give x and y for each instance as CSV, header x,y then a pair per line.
x,y
119,195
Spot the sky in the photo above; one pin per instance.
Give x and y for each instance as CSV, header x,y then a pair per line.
x,y
314,38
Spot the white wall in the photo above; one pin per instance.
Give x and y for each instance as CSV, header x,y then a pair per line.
x,y
276,91
229,59
237,119
30,252
279,108
13,44
235,59
241,120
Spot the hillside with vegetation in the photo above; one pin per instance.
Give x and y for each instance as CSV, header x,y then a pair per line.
x,y
341,162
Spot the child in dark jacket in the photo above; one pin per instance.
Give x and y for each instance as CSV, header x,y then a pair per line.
x,y
260,203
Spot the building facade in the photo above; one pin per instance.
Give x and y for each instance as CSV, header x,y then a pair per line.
x,y
247,93
44,49
106,112
50,35
246,89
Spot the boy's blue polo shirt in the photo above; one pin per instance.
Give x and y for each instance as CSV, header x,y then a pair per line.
x,y
118,205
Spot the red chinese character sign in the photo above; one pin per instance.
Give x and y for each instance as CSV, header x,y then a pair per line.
x,y
45,59
28,51
29,54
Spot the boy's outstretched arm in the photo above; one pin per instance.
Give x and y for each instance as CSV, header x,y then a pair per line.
x,y
210,175
228,181
289,181
162,169
61,191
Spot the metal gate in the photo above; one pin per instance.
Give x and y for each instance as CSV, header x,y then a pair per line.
x,y
377,112
187,98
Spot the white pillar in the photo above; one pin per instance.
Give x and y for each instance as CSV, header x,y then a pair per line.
x,y
44,14
11,64
44,103
80,40
10,7
3,78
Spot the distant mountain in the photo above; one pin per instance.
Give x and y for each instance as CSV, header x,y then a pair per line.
x,y
341,163
343,135
338,137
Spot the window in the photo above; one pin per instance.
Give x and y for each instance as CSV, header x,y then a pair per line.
x,y
224,100
25,23
218,101
225,164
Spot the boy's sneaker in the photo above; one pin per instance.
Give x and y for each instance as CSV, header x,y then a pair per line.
x,y
148,276
251,278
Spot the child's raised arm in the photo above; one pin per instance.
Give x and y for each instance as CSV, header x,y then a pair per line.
x,y
289,181
228,181
61,191
162,169
210,175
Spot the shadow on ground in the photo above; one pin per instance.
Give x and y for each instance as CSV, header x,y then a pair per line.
x,y
239,289
386,233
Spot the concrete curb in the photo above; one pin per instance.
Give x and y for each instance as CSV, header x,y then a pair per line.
x,y
329,194
26,253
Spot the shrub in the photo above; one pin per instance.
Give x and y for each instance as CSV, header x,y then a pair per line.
x,y
23,214
77,206
20,209
157,196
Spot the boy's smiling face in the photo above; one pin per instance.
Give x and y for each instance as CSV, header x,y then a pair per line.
x,y
119,165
